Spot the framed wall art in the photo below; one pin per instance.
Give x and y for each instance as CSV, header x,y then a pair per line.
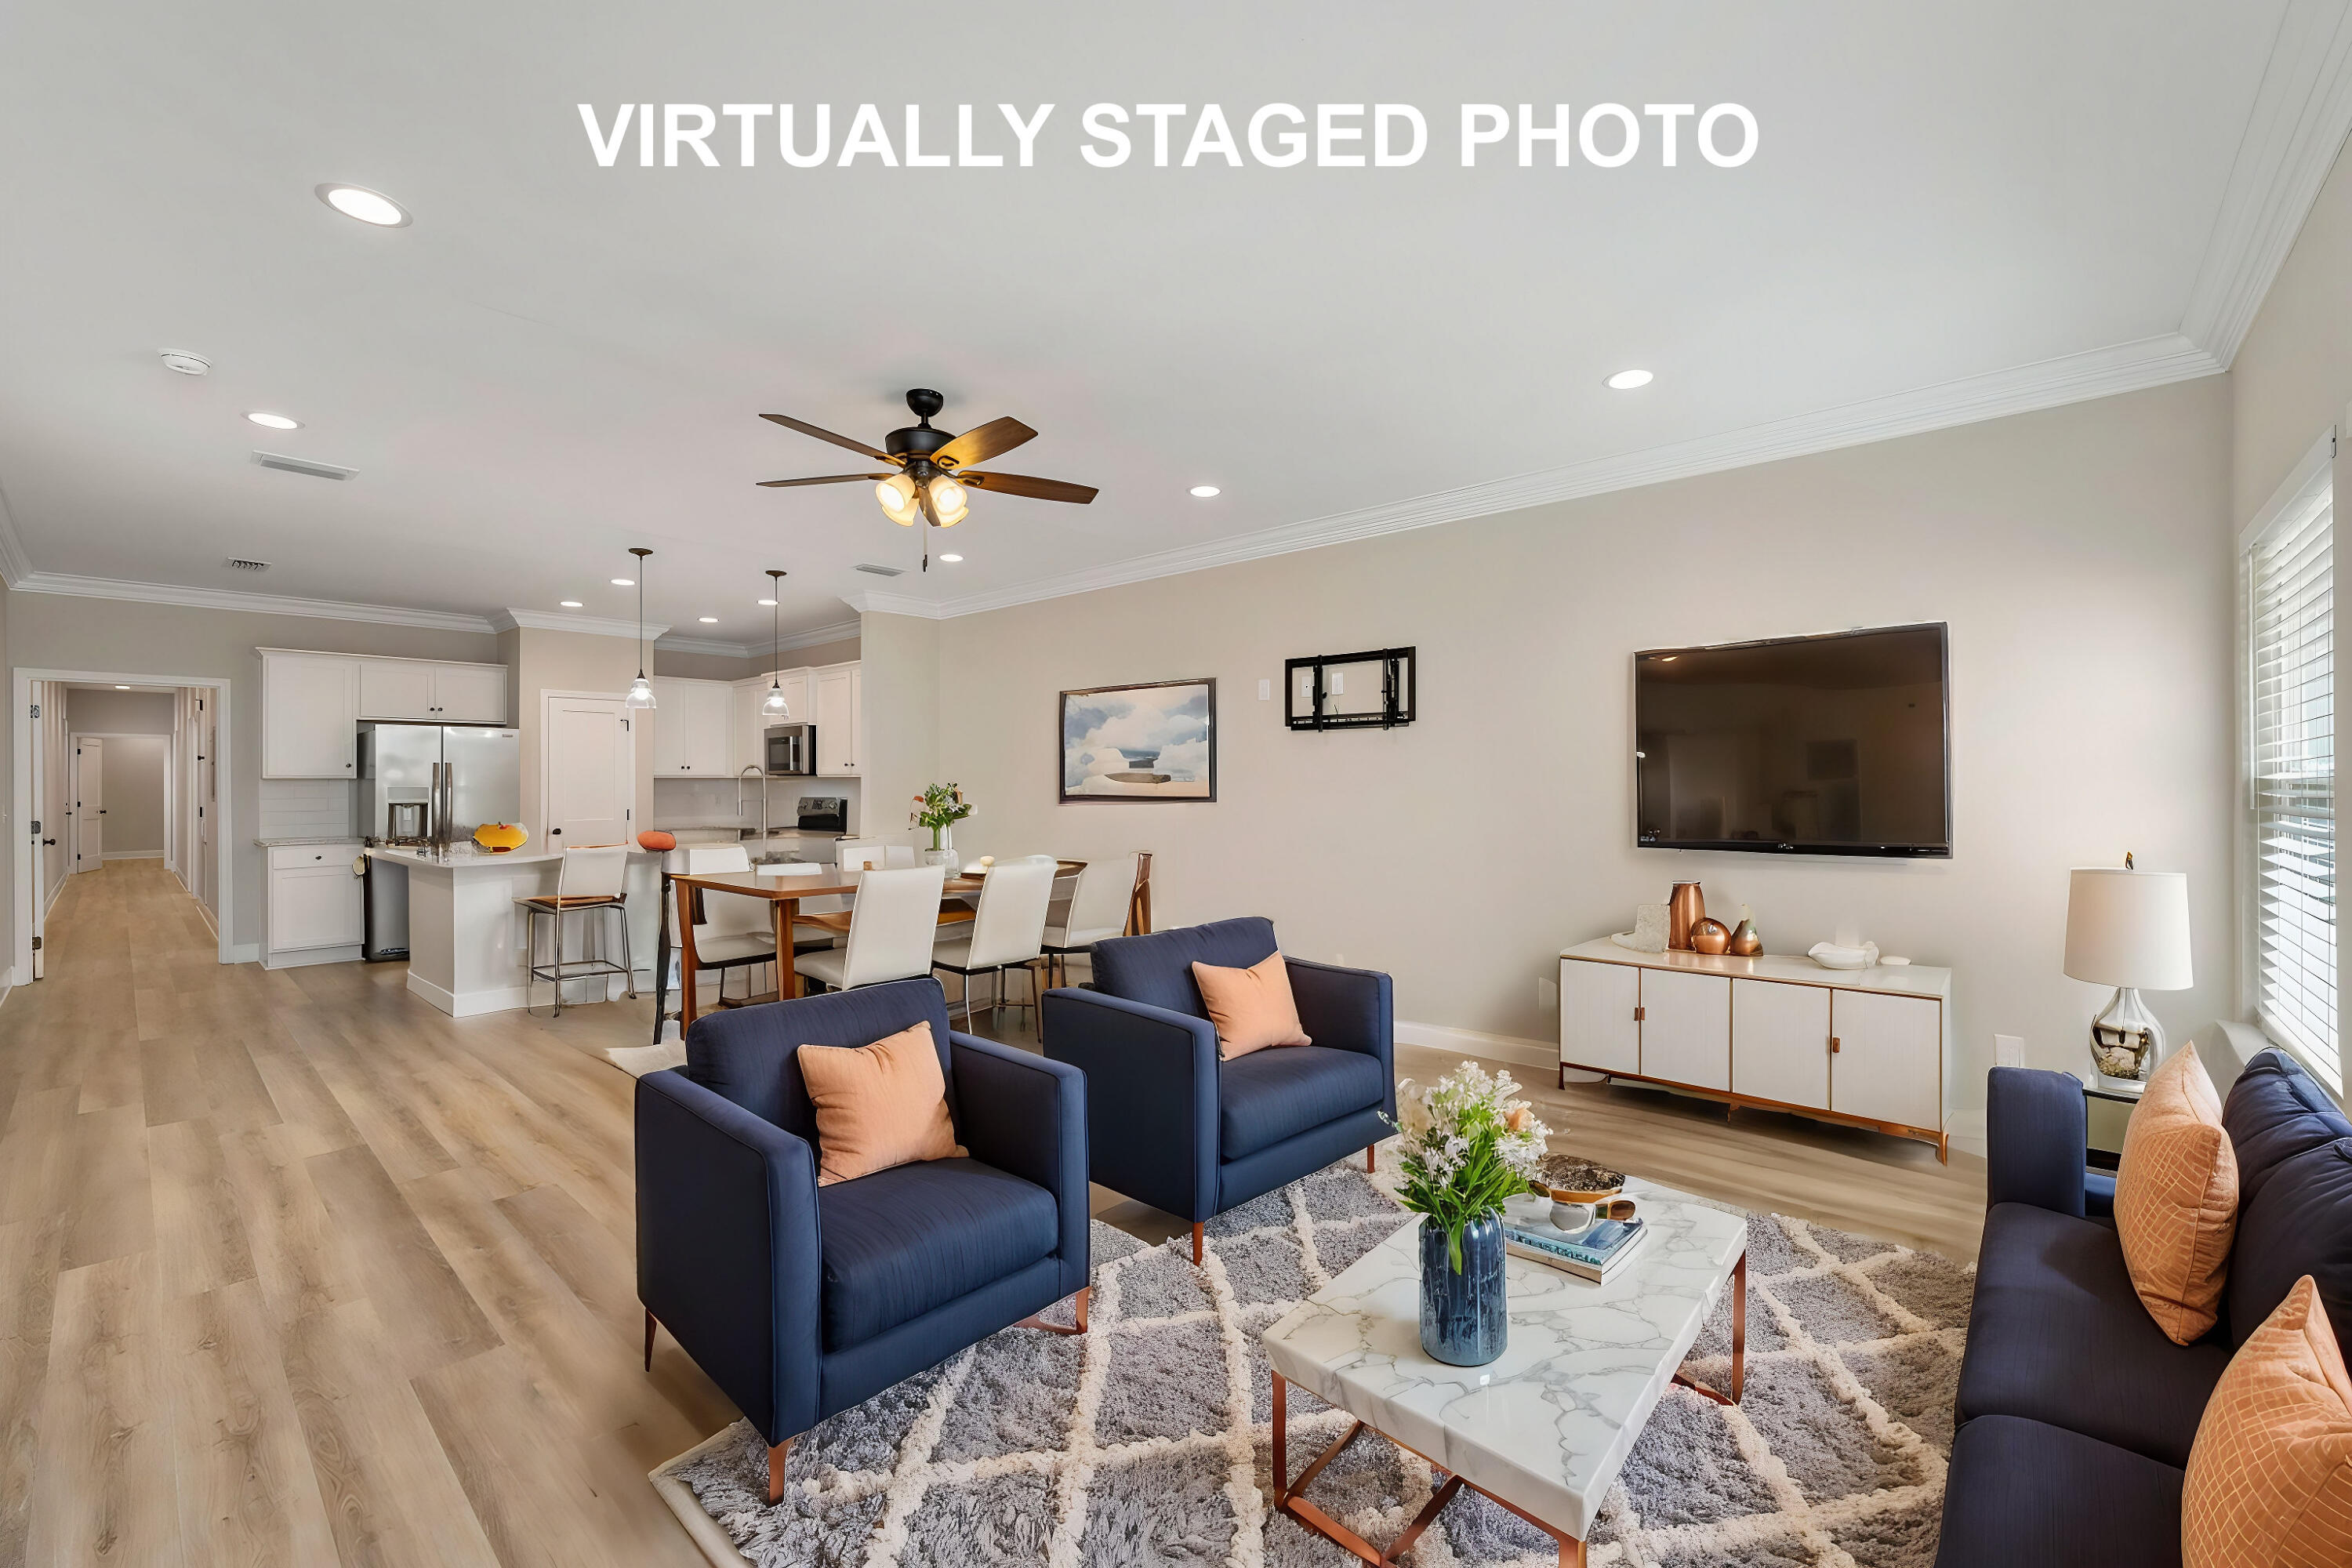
x,y
1157,741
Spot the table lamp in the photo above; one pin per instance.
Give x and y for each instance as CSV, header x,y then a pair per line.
x,y
2127,929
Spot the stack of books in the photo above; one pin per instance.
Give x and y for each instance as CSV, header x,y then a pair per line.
x,y
1593,1253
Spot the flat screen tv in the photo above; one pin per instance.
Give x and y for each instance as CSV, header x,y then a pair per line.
x,y
1818,745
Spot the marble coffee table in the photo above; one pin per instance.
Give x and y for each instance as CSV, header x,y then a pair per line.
x,y
1544,1429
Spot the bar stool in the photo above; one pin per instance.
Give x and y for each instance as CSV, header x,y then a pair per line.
x,y
590,877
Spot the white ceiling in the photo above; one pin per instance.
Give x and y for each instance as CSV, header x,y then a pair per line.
x,y
557,360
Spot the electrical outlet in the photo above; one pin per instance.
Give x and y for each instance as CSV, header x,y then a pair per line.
x,y
1547,993
1266,691
2009,1050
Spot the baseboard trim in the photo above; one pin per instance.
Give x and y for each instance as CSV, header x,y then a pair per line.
x,y
238,952
131,855
1515,1049
1966,1129
307,956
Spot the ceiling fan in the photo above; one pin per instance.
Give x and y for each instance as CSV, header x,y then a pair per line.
x,y
930,469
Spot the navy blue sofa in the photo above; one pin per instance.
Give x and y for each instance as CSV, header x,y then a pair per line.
x,y
800,1301
1173,1124
2075,1411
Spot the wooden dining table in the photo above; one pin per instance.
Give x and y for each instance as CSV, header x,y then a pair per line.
x,y
784,894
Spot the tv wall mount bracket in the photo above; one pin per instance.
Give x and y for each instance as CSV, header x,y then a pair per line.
x,y
1398,680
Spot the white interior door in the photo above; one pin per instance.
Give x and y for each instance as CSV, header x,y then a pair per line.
x,y
1686,1028
590,778
89,804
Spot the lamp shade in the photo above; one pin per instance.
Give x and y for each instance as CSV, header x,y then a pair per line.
x,y
2128,927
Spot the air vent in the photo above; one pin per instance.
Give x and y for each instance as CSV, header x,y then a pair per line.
x,y
881,570
238,564
302,466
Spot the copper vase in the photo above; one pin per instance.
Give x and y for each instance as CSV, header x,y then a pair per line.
x,y
1686,907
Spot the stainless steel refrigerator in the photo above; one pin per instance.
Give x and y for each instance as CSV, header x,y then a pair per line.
x,y
435,783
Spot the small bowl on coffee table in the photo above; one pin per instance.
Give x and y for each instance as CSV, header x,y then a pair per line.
x,y
1579,1190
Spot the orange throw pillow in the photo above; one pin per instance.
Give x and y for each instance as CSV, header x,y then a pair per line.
x,y
878,1106
2177,1198
1252,1007
2270,1476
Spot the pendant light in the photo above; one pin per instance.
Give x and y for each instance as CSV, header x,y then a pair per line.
x,y
773,705
641,690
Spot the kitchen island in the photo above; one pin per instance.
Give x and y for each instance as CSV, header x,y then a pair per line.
x,y
467,951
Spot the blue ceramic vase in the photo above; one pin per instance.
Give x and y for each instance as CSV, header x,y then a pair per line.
x,y
1465,1319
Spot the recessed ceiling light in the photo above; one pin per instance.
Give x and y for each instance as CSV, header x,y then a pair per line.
x,y
950,557
367,205
767,604
570,604
274,421
1627,380
123,688
185,364
1204,491
711,620
624,582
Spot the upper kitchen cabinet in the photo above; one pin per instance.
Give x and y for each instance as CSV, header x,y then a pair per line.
x,y
838,698
425,693
750,729
691,721
309,716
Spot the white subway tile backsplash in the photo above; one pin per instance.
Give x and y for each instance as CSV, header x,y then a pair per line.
x,y
296,808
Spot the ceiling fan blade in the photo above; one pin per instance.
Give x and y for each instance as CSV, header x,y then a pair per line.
x,y
983,442
822,480
1023,485
789,422
930,516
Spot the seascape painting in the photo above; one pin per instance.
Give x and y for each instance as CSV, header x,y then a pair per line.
x,y
1155,742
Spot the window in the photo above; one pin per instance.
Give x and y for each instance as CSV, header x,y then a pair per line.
x,y
2290,607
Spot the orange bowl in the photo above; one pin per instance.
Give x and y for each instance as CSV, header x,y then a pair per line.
x,y
656,839
500,838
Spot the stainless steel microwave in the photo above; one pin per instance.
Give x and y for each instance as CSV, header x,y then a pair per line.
x,y
791,751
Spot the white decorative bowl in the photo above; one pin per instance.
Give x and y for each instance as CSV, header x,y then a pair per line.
x,y
1830,955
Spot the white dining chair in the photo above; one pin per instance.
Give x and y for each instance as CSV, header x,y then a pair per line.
x,y
736,932
860,854
1006,932
591,877
1096,908
891,928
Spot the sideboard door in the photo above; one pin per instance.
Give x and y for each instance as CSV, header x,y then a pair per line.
x,y
1780,1043
1686,1028
1889,1064
1597,1026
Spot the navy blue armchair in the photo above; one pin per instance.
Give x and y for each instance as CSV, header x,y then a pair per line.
x,y
1173,1125
800,1301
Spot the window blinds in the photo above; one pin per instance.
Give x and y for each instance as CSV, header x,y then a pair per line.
x,y
2291,617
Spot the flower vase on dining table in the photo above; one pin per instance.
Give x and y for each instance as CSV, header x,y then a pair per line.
x,y
942,849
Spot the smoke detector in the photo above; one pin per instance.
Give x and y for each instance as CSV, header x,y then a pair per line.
x,y
185,364
238,564
868,566
302,466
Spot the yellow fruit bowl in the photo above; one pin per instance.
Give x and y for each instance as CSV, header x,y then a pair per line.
x,y
500,838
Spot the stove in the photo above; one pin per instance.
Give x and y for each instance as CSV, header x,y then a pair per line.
x,y
824,814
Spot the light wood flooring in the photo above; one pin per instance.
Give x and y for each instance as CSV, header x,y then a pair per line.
x,y
295,1271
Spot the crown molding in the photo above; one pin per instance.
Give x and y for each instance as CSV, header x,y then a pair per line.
x,y
509,619
2302,115
867,601
836,631
250,604
2076,378
702,645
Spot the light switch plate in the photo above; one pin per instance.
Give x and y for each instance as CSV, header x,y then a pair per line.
x,y
1266,691
1339,683
2009,1050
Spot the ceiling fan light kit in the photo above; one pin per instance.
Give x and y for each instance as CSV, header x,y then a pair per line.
x,y
932,478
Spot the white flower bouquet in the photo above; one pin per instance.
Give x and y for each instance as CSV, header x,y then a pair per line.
x,y
1468,1145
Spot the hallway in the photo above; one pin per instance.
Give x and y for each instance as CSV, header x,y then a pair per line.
x,y
295,1269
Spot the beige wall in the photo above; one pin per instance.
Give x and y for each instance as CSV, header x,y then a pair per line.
x,y
121,713
2074,552
2293,374
900,668
538,662
58,631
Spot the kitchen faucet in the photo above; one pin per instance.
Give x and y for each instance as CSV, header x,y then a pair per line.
x,y
761,773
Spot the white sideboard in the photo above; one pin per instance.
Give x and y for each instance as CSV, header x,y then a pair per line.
x,y
1866,1046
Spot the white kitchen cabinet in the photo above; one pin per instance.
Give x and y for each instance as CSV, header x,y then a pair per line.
x,y
1599,1017
1888,1059
751,726
395,689
1686,1028
837,695
314,898
690,720
1780,1043
309,716
1864,1047
469,693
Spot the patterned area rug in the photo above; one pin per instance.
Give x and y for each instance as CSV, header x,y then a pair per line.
x,y
1145,1441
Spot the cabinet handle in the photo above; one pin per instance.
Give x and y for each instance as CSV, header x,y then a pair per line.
x,y
1833,1045
1638,1013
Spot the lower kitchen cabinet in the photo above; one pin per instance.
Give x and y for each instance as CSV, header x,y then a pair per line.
x,y
315,901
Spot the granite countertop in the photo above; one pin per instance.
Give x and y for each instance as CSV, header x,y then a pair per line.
x,y
460,861
351,839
